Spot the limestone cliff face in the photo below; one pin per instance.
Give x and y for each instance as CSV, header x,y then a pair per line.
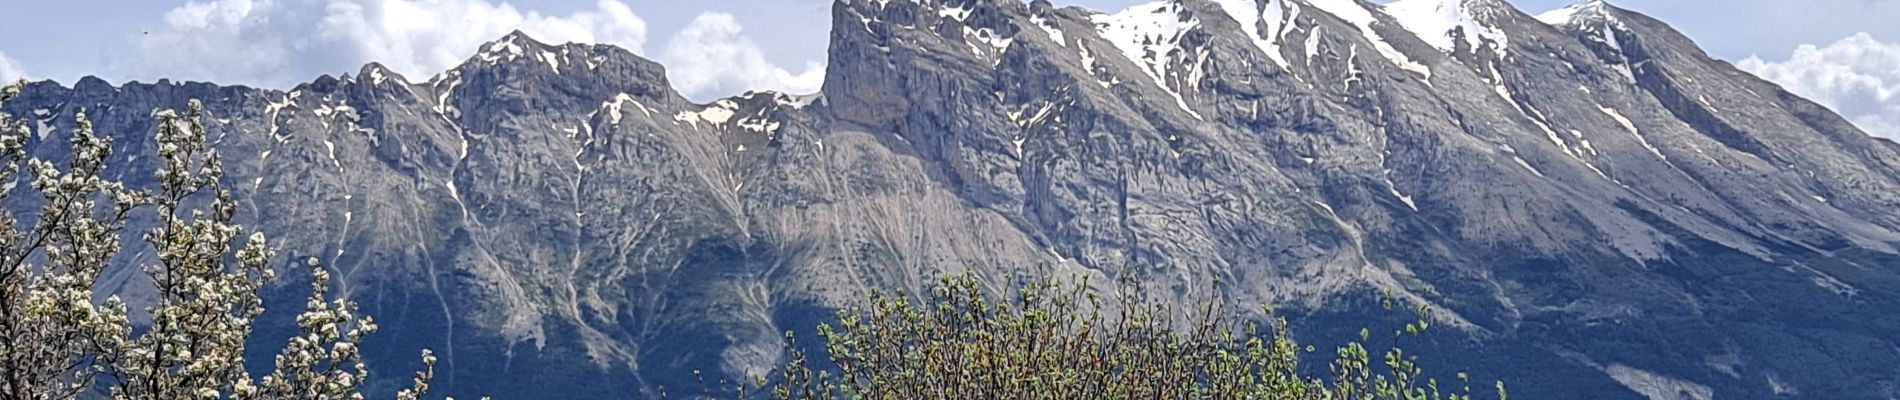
x,y
1594,205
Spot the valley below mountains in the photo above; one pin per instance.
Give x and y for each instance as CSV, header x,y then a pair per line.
x,y
1593,207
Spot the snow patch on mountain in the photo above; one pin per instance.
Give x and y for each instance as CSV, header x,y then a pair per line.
x,y
796,102
1394,188
1444,23
1593,16
1312,44
552,60
758,124
1356,13
504,50
1631,128
377,75
1055,31
613,107
1598,21
1149,35
444,86
1582,11
957,13
1252,14
717,113
997,42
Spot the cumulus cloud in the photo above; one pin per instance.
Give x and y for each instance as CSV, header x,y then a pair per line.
x,y
1859,77
10,69
710,58
277,43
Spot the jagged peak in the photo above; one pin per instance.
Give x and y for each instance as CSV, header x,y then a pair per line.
x,y
323,84
376,74
986,27
516,44
1445,23
557,59
520,38
605,68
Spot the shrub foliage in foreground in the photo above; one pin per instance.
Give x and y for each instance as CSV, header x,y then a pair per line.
x,y
58,340
1053,340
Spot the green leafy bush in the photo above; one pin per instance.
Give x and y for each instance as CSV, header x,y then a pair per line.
x,y
1053,340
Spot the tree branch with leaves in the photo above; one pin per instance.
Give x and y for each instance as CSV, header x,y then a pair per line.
x,y
59,340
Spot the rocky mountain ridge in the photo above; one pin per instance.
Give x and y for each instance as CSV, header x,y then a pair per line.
x,y
1598,208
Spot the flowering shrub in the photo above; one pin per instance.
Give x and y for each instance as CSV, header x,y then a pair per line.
x,y
59,340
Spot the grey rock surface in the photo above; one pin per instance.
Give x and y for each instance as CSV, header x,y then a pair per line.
x,y
1597,208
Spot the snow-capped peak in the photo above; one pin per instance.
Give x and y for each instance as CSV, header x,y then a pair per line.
x,y
1443,23
1582,12
1148,23
376,73
515,45
1594,18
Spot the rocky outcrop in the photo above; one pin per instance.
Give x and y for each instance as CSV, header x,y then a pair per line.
x,y
1595,206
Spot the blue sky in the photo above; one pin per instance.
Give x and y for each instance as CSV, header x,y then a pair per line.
x,y
1843,53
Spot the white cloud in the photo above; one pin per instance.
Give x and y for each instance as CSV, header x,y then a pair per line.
x,y
1859,77
278,43
10,70
709,58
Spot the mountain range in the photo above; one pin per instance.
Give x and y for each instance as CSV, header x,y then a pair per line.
x,y
1593,206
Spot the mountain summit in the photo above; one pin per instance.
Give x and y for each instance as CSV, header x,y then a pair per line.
x,y
1596,207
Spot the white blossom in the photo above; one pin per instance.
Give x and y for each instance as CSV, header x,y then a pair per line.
x,y
205,307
